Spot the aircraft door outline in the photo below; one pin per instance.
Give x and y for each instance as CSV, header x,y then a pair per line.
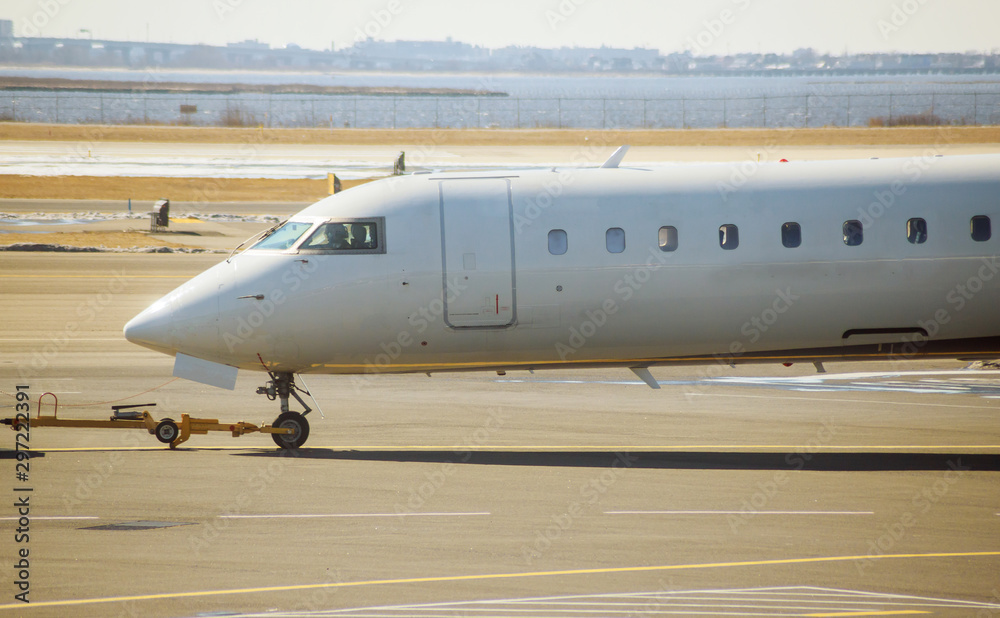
x,y
477,253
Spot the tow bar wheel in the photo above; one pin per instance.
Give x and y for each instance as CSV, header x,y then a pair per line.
x,y
166,431
294,421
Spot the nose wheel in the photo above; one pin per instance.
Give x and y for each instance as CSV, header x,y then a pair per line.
x,y
281,387
296,422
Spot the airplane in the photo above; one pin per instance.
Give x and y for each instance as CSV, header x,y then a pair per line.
x,y
610,266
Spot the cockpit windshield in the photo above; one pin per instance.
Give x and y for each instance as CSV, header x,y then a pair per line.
x,y
283,237
347,236
343,236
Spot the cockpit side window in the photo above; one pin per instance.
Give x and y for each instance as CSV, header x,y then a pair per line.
x,y
283,237
347,236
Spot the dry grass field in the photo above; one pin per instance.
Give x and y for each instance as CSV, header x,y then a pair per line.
x,y
177,189
306,190
111,240
832,136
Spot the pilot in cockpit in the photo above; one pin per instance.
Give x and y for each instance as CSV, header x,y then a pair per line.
x,y
329,236
339,236
360,234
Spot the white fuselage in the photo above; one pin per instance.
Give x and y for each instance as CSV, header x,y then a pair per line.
x,y
570,268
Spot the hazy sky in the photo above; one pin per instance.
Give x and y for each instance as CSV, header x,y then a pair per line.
x,y
705,27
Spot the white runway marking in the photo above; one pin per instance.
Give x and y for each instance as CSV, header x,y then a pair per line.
x,y
37,340
873,401
56,393
321,515
739,512
51,518
780,601
510,576
978,382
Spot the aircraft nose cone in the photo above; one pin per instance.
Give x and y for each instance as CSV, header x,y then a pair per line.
x,y
151,328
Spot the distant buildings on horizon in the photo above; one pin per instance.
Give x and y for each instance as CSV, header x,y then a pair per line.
x,y
451,55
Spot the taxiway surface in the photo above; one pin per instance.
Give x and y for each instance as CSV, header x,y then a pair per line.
x,y
772,491
263,160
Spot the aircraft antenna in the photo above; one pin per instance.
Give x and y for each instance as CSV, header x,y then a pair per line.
x,y
616,158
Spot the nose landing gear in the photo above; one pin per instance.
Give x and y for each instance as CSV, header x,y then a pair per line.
x,y
281,386
299,426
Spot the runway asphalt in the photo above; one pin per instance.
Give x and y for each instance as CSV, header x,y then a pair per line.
x,y
99,158
19,206
221,227
766,491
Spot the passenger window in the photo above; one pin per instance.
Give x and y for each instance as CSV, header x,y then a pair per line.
x,y
729,236
558,242
346,236
615,240
283,237
791,235
981,231
916,231
854,233
668,238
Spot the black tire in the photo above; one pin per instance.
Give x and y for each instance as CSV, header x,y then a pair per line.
x,y
152,432
291,420
167,431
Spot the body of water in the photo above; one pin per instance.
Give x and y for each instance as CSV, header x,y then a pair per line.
x,y
532,101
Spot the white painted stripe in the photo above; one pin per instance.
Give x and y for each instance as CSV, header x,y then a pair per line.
x,y
47,340
53,518
767,602
860,375
320,515
832,400
739,512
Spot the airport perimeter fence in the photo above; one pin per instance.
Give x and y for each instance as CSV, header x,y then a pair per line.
x,y
464,112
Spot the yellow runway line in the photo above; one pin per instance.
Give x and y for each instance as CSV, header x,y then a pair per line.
x,y
771,448
493,576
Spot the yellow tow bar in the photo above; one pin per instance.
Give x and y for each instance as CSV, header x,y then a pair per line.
x,y
166,430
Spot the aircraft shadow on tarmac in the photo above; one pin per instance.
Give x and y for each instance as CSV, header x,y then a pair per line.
x,y
821,462
12,454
